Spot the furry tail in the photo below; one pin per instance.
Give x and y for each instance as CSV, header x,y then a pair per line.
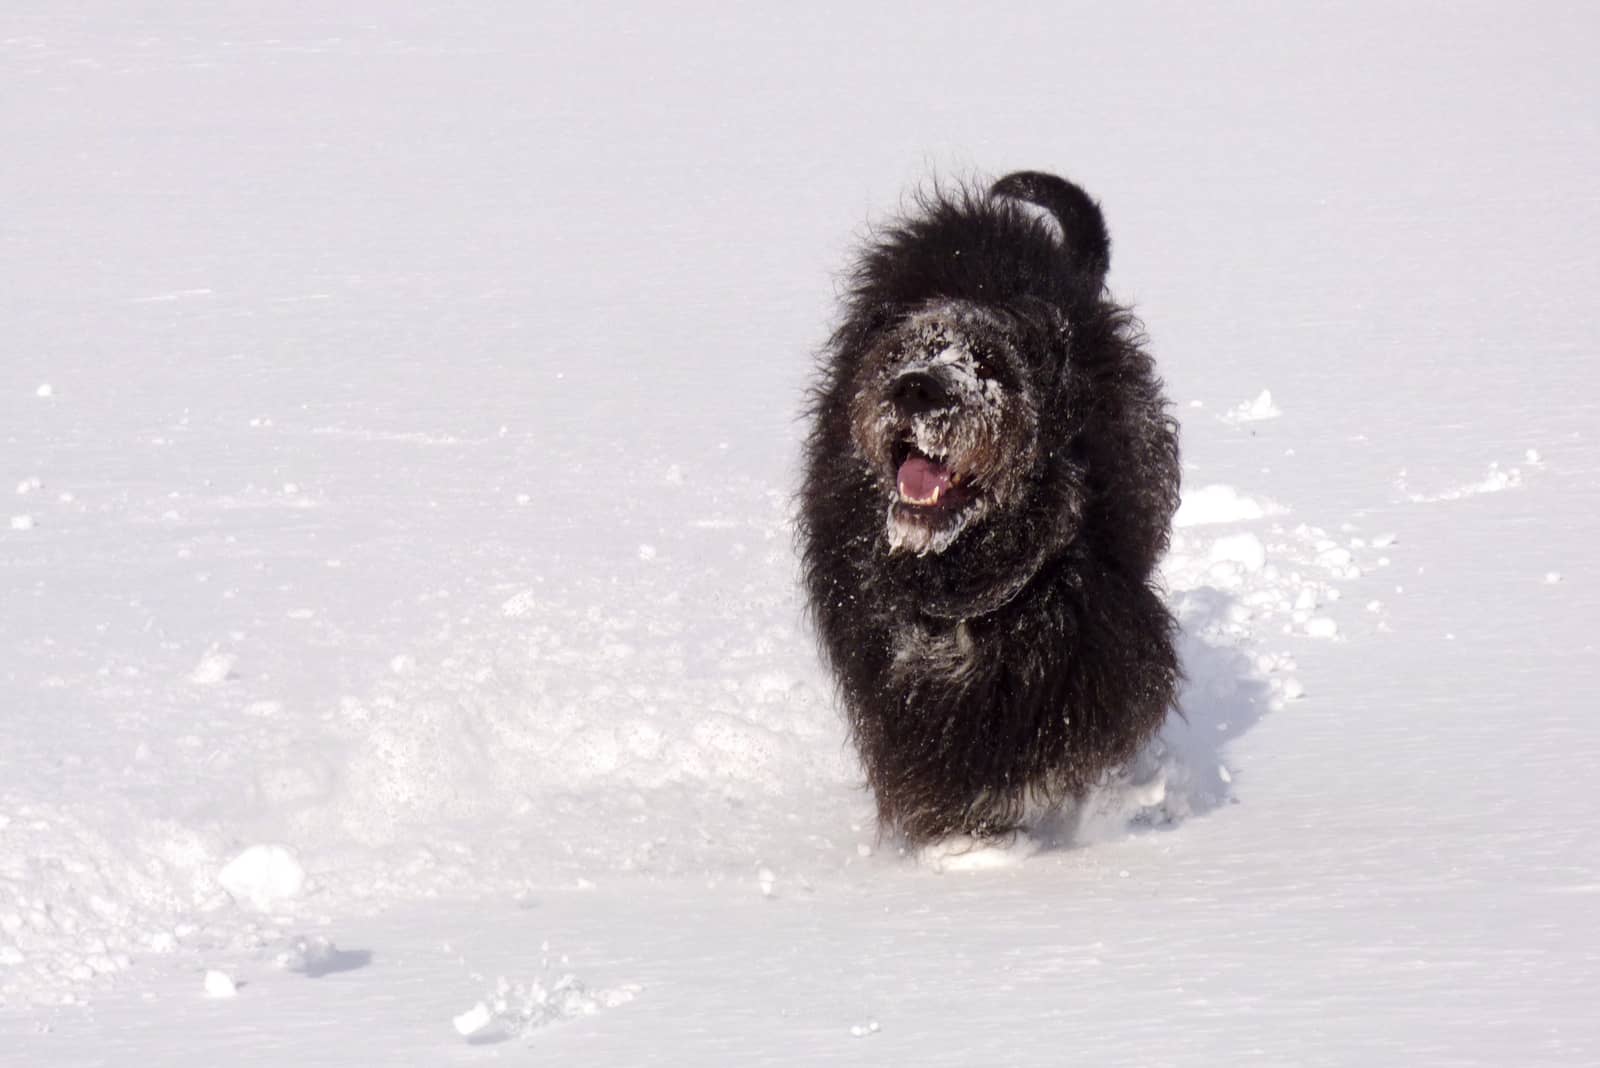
x,y
1083,227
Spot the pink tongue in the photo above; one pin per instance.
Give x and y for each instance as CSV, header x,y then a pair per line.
x,y
920,476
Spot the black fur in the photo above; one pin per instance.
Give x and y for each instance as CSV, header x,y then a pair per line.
x,y
1002,644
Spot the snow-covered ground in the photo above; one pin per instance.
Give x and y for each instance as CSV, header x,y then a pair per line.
x,y
399,639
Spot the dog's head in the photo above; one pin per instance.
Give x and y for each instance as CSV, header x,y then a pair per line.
x,y
946,414
960,392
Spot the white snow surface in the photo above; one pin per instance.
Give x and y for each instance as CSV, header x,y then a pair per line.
x,y
400,631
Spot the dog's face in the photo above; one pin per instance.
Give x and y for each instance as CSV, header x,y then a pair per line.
x,y
945,414
958,412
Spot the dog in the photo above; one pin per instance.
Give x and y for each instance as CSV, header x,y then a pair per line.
x,y
990,479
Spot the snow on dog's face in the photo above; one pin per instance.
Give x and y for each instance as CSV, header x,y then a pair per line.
x,y
944,415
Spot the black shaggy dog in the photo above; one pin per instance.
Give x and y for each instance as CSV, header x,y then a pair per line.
x,y
991,476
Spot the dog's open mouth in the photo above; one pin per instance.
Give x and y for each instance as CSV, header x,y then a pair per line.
x,y
933,503
924,482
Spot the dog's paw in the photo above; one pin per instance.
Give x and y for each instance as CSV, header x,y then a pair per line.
x,y
965,852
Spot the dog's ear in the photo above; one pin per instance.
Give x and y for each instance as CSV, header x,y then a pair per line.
x,y
1083,227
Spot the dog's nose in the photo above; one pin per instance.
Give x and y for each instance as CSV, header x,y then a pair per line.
x,y
916,392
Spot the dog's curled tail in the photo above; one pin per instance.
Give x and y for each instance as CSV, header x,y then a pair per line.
x,y
1083,227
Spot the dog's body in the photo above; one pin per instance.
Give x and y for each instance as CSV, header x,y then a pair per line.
x,y
991,477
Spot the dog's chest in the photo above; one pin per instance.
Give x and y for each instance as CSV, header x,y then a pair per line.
x,y
947,651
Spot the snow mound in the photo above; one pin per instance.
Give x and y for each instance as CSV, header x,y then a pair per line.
x,y
220,985
316,956
1253,411
263,876
963,853
594,715
79,905
1246,550
1220,504
213,668
513,1009
1496,479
